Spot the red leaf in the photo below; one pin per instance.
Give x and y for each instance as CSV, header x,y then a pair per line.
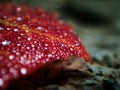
x,y
32,37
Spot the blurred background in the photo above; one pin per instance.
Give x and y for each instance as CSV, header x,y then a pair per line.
x,y
97,22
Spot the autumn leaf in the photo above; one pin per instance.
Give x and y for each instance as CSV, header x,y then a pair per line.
x,y
31,37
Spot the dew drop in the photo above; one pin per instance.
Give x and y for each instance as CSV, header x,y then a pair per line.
x,y
16,30
23,71
1,57
46,44
4,17
27,30
71,49
19,19
19,9
29,38
11,57
39,28
1,82
21,34
3,71
33,45
8,28
18,44
17,53
49,55
5,42
62,45
28,48
1,28
13,71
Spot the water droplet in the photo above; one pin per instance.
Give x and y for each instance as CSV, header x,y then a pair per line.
x,y
11,57
23,71
5,42
21,34
71,49
8,28
4,17
49,55
1,57
39,28
62,45
1,82
27,30
33,45
19,19
18,44
65,34
29,38
60,22
13,71
28,47
1,28
46,44
16,30
17,53
19,9
3,71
